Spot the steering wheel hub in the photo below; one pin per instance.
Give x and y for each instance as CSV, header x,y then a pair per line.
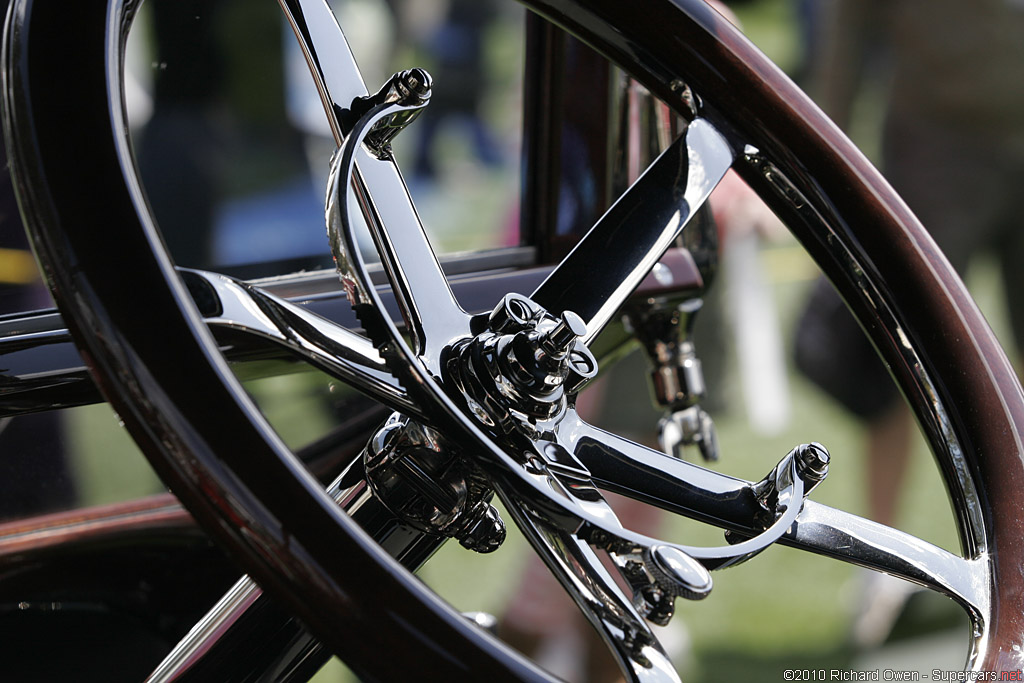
x,y
520,371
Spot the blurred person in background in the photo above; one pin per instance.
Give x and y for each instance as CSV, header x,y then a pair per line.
x,y
952,145
456,46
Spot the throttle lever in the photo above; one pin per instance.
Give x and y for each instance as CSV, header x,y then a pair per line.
x,y
657,571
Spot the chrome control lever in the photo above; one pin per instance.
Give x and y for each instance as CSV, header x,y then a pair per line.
x,y
655,571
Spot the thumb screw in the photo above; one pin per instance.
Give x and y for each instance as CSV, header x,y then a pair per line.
x,y
560,338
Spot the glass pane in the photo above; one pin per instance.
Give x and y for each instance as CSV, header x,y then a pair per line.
x,y
233,145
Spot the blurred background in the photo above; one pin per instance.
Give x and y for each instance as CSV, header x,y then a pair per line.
x,y
241,133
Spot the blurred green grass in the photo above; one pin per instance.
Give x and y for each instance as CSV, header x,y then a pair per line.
x,y
772,26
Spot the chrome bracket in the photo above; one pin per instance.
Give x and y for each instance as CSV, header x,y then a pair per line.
x,y
664,330
427,484
410,88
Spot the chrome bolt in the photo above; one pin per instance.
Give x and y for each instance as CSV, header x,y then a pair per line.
x,y
485,534
678,573
812,463
582,368
515,312
561,337
415,83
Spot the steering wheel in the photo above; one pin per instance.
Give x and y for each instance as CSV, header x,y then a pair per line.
x,y
470,383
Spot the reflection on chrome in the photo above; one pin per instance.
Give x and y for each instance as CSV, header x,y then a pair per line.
x,y
331,348
600,273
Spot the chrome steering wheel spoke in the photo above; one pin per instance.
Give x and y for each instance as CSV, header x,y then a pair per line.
x,y
844,536
383,198
600,273
578,567
227,303
330,59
